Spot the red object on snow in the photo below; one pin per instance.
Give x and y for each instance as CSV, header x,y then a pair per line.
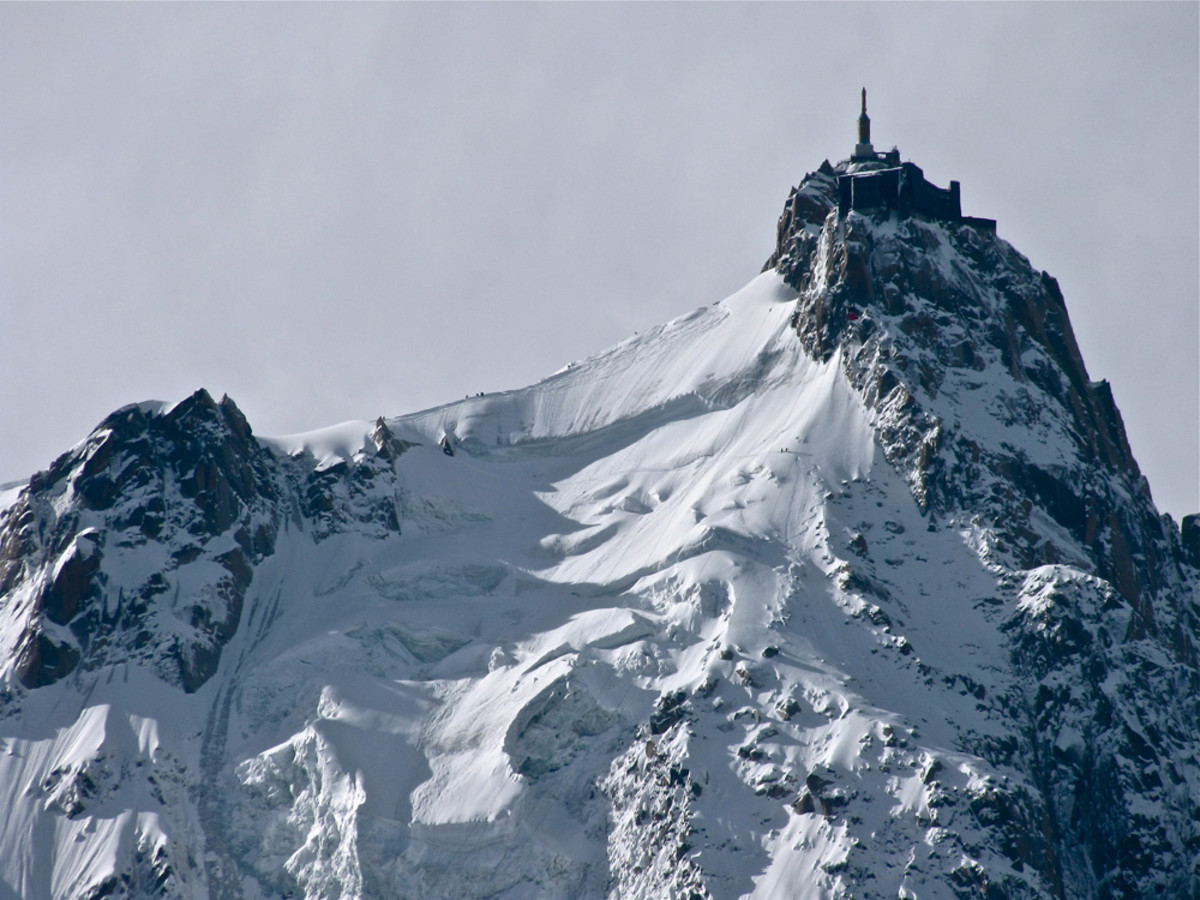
x,y
852,315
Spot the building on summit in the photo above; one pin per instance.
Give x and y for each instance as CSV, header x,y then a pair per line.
x,y
881,181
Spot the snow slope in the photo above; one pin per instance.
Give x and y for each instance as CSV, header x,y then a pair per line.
x,y
677,621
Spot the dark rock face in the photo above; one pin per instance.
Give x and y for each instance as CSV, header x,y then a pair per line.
x,y
191,489
139,545
912,329
941,326
1190,536
352,494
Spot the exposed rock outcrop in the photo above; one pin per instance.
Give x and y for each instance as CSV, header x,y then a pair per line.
x,y
139,543
943,327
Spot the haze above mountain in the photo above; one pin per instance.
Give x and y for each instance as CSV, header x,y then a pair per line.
x,y
342,212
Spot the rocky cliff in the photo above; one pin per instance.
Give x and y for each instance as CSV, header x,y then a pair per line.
x,y
944,327
137,546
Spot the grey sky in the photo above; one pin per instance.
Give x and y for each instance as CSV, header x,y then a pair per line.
x,y
336,212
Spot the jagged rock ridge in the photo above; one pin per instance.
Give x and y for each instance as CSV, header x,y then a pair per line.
x,y
99,548
923,311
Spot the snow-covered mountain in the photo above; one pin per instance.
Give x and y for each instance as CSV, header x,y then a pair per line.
x,y
845,586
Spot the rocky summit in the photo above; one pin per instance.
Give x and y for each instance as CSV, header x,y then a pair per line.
x,y
845,586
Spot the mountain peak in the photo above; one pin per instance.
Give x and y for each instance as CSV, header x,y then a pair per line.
x,y
935,314
846,585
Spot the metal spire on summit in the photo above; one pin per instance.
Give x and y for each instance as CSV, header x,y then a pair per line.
x,y
863,149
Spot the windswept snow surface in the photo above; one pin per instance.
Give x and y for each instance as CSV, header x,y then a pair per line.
x,y
617,649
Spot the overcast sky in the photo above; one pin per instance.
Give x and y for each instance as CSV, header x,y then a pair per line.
x,y
334,212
